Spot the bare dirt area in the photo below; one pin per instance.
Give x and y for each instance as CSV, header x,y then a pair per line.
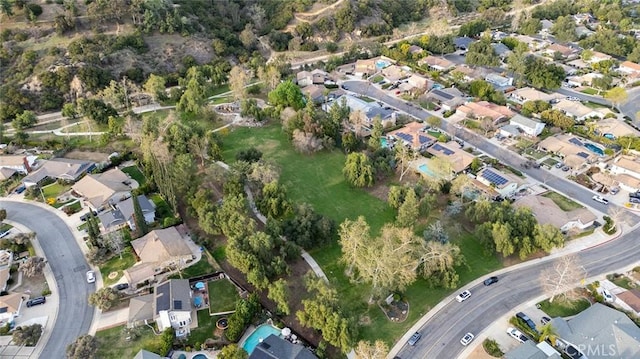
x,y
380,191
87,156
32,286
479,353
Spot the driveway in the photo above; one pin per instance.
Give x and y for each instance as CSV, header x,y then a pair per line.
x,y
68,266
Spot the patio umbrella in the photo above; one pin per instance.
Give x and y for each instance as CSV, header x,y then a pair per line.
x,y
199,285
197,301
286,332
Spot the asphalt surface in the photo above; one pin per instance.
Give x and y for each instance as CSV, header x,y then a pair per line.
x,y
68,265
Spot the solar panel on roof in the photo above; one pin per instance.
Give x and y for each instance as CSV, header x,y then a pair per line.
x,y
583,155
575,141
424,139
494,178
442,94
444,150
177,304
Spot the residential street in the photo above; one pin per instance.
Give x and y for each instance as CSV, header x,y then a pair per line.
x,y
68,264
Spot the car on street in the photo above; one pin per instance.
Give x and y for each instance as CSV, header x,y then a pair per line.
x,y
525,318
517,335
545,320
414,338
122,286
600,199
491,280
463,296
91,276
36,301
467,339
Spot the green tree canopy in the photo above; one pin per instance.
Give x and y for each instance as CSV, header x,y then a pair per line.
x,y
358,170
287,94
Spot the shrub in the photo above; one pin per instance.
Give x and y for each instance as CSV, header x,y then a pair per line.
x,y
609,226
523,327
492,348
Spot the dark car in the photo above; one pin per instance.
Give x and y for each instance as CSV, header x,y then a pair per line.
x,y
36,301
527,320
414,338
491,280
21,189
122,286
545,320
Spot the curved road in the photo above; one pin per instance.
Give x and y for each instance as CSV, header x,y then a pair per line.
x,y
68,265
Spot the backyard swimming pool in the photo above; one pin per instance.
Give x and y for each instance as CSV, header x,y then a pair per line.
x,y
595,149
200,356
426,170
261,333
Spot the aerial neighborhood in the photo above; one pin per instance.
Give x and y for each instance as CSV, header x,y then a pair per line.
x,y
319,179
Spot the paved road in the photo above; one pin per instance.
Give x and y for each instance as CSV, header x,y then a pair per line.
x,y
632,106
68,265
441,335
583,96
571,189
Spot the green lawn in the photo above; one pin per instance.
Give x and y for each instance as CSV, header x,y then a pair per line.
x,y
318,180
116,264
563,309
5,227
223,296
377,78
112,343
201,268
54,190
366,99
590,91
135,173
206,328
623,281
561,201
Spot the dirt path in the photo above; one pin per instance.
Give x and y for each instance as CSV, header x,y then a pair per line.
x,y
299,17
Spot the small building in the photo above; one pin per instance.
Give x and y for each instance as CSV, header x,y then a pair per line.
x,y
498,81
501,50
414,136
626,165
613,128
583,31
365,67
597,56
529,126
437,63
577,110
629,68
547,211
63,169
315,77
628,182
531,350
530,94
546,26
631,300
505,185
370,110
143,354
483,109
463,43
415,50
172,306
565,52
419,83
10,306
451,152
274,347
531,42
509,131
104,189
394,73
315,92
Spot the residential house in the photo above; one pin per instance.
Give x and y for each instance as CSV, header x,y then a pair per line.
x,y
531,350
547,211
143,354
104,189
418,83
365,67
449,98
451,152
501,50
6,260
626,165
578,64
529,126
546,27
10,306
64,169
630,300
315,92
498,35
19,163
122,213
597,56
583,18
598,332
140,310
274,347
629,68
571,148
172,306
414,136
505,185
565,52
577,110
463,43
531,42
315,77
613,128
500,83
369,110
437,63
482,109
468,73
111,220
6,173
568,70
582,80
583,31
394,73
530,94
415,50
628,182
509,131
160,250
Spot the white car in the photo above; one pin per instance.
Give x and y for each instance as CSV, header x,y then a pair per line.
x,y
467,339
600,199
463,296
608,297
91,276
517,335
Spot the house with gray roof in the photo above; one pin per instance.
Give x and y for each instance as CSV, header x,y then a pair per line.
x,y
122,213
598,332
527,125
463,43
274,347
501,50
530,350
64,169
143,354
172,306
449,98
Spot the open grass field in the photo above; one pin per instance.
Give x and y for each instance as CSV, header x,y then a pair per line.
x,y
135,174
318,180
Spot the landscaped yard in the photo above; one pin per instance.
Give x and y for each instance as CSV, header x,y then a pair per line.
x,y
223,295
135,174
377,78
113,343
561,201
589,91
535,153
54,190
118,265
623,281
201,268
206,329
563,309
318,180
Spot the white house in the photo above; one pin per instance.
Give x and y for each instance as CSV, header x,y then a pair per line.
x,y
629,68
626,165
577,110
499,81
530,94
172,306
502,183
10,306
22,164
527,125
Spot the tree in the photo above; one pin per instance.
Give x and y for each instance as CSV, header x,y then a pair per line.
x,y
3,214
96,110
434,121
436,232
358,170
193,97
354,236
24,120
32,266
287,94
564,29
562,278
273,201
6,7
547,237
27,335
70,110
543,75
232,351
409,210
395,197
481,53
473,28
278,293
376,134
517,61
437,262
530,26
141,224
548,332
104,298
270,76
156,86
308,228
367,350
617,96
238,80
404,157
84,347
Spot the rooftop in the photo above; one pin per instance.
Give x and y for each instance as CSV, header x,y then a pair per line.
x,y
173,294
628,163
100,188
161,245
524,121
573,108
631,298
451,152
485,109
414,135
274,347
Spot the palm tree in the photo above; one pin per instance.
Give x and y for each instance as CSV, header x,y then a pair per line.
x,y
547,331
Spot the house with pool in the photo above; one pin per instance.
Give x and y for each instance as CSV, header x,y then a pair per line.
x,y
452,152
269,342
575,152
413,135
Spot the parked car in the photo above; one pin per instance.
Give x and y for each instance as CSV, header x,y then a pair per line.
x,y
600,199
463,296
545,320
36,301
467,339
414,338
559,165
21,189
517,335
527,320
634,199
491,280
614,190
91,276
608,297
122,286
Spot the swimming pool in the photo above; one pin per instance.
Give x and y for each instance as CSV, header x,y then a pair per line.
x,y
261,333
384,143
200,356
381,64
426,170
595,149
